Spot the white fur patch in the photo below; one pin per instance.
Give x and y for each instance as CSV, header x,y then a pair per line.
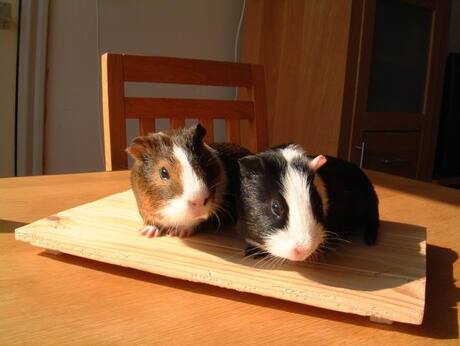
x,y
178,211
192,184
302,230
291,152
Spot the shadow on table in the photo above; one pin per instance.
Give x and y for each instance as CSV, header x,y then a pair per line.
x,y
394,261
7,226
440,320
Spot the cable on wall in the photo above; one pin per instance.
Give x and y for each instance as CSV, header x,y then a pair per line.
x,y
237,40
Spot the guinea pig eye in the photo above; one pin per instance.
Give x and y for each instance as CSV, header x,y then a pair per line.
x,y
164,174
277,209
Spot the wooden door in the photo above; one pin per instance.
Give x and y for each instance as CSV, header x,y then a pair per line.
x,y
401,47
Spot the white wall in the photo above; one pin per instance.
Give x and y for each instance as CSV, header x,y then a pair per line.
x,y
8,55
80,31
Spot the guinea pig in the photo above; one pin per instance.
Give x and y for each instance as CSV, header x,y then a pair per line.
x,y
179,181
293,203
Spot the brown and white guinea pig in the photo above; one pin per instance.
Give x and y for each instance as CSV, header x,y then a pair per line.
x,y
293,203
179,181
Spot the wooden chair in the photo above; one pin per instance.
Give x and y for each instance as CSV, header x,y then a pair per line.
x,y
120,68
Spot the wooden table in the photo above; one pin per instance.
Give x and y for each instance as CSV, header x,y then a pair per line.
x,y
47,299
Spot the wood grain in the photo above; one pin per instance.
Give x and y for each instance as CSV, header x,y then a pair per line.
x,y
21,198
352,70
45,299
163,107
385,282
155,69
118,68
303,47
113,112
259,139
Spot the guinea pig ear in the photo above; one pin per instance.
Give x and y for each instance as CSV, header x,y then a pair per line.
x,y
250,164
198,132
138,147
317,162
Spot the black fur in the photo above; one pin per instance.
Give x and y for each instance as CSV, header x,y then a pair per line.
x,y
229,154
352,201
261,184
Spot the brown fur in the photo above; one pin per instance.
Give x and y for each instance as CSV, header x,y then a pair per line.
x,y
154,151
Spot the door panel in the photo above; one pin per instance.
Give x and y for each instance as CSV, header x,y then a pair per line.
x,y
391,152
401,63
400,51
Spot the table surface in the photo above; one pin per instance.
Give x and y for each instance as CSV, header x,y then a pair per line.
x,y
64,299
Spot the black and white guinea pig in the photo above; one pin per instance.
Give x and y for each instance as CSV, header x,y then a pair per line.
x,y
179,181
293,203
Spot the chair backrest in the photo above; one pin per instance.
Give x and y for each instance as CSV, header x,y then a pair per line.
x,y
120,68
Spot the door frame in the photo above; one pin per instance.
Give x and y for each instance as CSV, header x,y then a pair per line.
x,y
357,80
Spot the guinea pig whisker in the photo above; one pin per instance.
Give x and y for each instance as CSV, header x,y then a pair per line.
x,y
313,257
323,246
262,261
216,215
220,183
336,236
230,258
224,210
272,264
255,254
279,262
339,239
215,185
276,262
265,263
269,261
318,253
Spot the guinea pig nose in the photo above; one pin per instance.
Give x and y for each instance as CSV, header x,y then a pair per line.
x,y
193,202
197,202
300,250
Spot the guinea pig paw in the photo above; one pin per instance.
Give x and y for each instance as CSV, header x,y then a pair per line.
x,y
181,233
150,231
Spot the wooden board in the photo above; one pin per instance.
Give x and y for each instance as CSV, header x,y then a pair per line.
x,y
385,282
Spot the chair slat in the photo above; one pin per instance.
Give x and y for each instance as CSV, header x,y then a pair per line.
x,y
120,68
177,122
157,107
233,131
208,124
185,71
146,126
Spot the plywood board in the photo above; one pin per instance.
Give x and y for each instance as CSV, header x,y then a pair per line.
x,y
385,282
